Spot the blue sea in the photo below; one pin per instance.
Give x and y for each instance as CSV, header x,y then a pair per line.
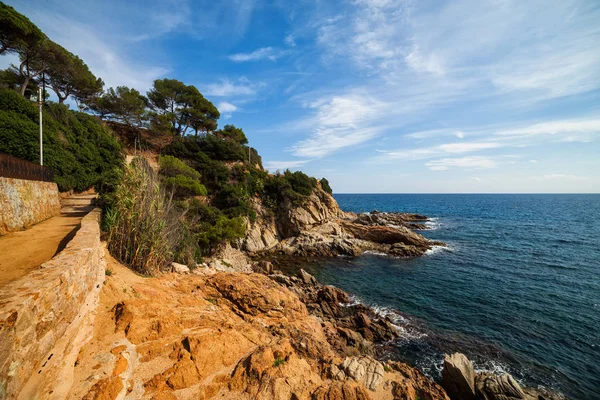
x,y
517,289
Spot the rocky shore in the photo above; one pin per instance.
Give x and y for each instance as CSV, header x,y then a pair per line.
x,y
318,228
254,336
237,328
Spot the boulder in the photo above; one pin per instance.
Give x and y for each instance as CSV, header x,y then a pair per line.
x,y
503,387
458,377
307,278
365,370
179,268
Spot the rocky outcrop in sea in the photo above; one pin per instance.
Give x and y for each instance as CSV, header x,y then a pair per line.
x,y
316,227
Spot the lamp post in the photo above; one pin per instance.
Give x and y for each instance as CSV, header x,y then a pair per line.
x,y
41,141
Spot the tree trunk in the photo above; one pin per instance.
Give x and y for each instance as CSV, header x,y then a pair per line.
x,y
24,86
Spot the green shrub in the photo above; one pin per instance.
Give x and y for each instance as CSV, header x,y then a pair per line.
x,y
80,150
172,166
300,182
325,185
182,185
211,227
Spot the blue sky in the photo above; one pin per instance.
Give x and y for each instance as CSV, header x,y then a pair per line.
x,y
376,95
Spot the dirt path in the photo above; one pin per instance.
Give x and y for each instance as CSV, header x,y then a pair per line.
x,y
24,251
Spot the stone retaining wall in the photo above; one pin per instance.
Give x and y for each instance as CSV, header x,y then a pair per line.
x,y
24,203
45,315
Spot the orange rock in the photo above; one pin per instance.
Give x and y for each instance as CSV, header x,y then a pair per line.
x,y
120,366
105,389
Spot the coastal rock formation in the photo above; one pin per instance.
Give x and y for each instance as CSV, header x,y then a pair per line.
x,y
234,336
316,227
461,382
458,377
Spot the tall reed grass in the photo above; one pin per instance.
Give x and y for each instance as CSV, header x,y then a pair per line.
x,y
145,229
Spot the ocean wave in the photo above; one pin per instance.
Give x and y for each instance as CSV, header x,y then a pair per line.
x,y
438,249
432,224
491,366
405,330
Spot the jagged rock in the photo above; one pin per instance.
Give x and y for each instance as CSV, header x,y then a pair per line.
x,y
386,235
503,387
341,391
318,228
458,377
307,278
179,268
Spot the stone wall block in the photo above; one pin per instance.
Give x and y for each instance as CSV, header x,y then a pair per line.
x,y
24,203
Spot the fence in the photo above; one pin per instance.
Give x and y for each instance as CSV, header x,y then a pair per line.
x,y
12,167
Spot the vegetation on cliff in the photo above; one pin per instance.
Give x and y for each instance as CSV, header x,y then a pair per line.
x,y
209,181
81,151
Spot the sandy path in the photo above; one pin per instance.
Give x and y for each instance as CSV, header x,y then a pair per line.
x,y
24,251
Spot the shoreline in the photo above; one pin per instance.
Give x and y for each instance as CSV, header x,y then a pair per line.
x,y
383,350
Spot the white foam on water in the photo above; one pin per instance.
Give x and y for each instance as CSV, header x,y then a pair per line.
x,y
438,249
492,366
399,322
375,253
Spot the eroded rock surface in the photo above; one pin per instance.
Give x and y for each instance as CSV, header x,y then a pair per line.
x,y
461,382
235,336
316,227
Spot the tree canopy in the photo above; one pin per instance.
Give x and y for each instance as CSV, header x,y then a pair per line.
x,y
182,107
124,104
17,32
69,75
230,132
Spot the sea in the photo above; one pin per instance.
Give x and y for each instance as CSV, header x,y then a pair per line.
x,y
517,289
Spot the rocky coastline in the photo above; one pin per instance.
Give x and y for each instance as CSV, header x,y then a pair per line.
x,y
316,227
236,327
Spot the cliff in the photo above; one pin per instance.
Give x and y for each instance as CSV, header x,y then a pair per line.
x,y
315,226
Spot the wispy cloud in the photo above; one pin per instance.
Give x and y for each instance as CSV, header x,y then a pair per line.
x,y
474,162
488,138
226,87
340,122
106,58
264,53
282,165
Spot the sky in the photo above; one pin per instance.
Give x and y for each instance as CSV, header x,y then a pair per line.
x,y
379,96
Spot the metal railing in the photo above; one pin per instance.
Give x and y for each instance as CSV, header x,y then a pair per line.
x,y
12,167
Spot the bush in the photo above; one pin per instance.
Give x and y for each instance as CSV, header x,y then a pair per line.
x,y
180,178
171,166
144,228
80,150
182,185
211,227
325,185
300,182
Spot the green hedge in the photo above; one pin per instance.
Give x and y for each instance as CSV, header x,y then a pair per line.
x,y
80,150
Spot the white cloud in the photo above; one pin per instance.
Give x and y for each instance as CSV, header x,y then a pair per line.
x,y
474,162
226,107
459,134
421,63
105,59
340,122
436,151
533,161
557,127
264,53
240,87
282,165
290,40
